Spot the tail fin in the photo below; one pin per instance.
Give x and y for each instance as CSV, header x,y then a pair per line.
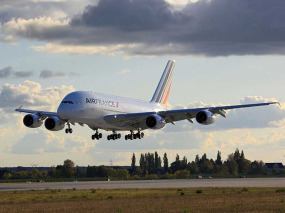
x,y
163,87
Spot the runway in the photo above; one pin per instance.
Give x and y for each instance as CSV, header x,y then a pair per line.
x,y
144,184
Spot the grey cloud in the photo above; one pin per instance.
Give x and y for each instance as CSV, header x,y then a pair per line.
x,y
51,74
28,9
9,72
127,15
6,72
73,74
23,74
212,28
25,9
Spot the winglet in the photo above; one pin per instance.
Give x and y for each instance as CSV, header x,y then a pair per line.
x,y
18,109
277,102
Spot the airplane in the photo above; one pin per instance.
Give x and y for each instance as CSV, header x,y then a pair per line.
x,y
115,114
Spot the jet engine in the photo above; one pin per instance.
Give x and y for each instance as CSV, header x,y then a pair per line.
x,y
155,122
54,124
32,121
205,117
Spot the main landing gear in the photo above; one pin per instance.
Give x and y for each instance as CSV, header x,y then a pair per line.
x,y
114,136
133,136
97,135
68,130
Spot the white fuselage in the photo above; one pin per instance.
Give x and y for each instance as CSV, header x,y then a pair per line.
x,y
89,108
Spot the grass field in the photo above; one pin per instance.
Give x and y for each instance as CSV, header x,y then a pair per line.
x,y
146,200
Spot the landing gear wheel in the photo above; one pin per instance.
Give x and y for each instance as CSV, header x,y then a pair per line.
x,y
68,130
108,137
133,136
97,135
113,136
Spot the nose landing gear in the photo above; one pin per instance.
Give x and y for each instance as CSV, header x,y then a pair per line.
x,y
68,129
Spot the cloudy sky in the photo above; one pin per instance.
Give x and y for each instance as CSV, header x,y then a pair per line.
x,y
226,52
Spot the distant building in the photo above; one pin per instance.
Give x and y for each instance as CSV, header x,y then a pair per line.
x,y
270,167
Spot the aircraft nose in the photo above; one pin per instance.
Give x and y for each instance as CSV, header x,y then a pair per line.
x,y
62,111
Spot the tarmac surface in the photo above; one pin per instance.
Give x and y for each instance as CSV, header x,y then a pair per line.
x,y
148,184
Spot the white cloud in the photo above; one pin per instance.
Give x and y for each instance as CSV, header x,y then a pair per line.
x,y
32,94
5,132
43,141
123,72
255,117
16,26
10,30
78,144
8,39
39,142
81,49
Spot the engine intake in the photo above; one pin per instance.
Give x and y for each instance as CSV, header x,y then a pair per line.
x,y
54,124
155,122
32,121
205,117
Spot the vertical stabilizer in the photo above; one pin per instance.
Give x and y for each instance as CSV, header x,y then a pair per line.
x,y
163,87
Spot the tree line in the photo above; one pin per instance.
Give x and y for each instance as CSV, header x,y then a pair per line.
x,y
150,166
236,164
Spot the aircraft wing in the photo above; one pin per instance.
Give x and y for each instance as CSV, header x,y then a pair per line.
x,y
39,113
137,120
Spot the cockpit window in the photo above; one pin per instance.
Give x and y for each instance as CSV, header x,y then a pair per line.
x,y
67,102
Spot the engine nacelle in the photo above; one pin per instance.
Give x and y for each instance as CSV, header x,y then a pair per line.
x,y
54,124
155,122
32,121
205,117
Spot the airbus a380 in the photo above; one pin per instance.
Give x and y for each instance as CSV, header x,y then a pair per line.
x,y
115,114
